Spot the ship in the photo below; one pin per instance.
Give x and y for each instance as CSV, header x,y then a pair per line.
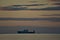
x,y
25,31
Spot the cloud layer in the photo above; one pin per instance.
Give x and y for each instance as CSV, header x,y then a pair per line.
x,y
51,15
55,0
29,19
21,7
51,8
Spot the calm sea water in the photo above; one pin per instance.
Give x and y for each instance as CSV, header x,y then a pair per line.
x,y
30,37
38,30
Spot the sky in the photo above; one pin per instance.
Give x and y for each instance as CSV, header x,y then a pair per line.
x,y
46,18
9,2
27,14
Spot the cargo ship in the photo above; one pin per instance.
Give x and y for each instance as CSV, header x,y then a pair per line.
x,y
25,31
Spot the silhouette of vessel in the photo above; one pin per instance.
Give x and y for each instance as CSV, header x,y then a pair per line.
x,y
25,31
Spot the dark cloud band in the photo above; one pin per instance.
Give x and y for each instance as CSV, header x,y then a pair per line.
x,y
30,19
51,15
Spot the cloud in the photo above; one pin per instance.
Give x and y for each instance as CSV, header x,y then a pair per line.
x,y
47,8
51,8
35,5
55,0
14,7
56,4
33,1
20,7
30,19
51,15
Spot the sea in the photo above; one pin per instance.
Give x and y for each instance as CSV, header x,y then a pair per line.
x,y
29,36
